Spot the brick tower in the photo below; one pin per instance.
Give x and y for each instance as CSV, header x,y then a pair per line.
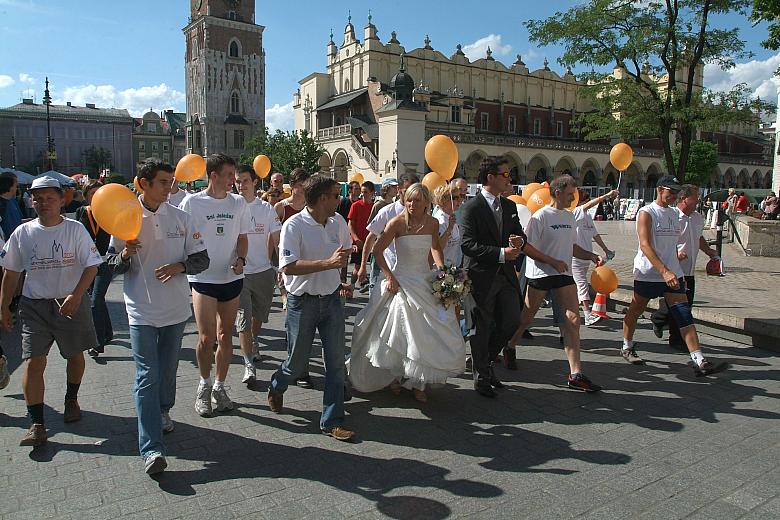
x,y
225,76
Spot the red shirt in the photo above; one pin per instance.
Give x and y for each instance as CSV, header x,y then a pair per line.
x,y
742,204
358,215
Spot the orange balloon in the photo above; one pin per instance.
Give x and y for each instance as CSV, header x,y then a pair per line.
x,y
529,189
433,180
575,201
441,154
603,280
137,185
539,199
356,177
190,168
621,156
262,166
118,211
546,184
517,199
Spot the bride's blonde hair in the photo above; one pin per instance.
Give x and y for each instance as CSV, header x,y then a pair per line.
x,y
413,190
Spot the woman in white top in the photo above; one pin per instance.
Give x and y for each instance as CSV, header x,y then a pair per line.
x,y
447,200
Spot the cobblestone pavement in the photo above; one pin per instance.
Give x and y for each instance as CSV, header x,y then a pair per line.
x,y
657,443
747,290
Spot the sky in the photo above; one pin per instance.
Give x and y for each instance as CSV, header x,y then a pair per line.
x,y
130,54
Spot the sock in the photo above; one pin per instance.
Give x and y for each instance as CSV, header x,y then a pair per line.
x,y
72,391
628,344
36,413
697,357
205,381
247,358
218,384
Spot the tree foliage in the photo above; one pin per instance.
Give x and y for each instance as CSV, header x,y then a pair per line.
x,y
702,160
653,90
768,11
96,159
287,151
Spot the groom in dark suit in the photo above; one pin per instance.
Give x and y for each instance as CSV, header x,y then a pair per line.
x,y
491,239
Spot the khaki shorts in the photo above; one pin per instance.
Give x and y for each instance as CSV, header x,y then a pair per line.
x,y
256,298
42,325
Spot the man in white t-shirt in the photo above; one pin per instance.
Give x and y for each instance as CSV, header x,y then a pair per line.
x,y
552,231
690,243
259,274
157,300
315,245
377,226
223,220
658,273
177,194
61,262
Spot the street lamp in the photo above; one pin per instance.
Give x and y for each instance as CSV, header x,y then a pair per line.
x,y
51,155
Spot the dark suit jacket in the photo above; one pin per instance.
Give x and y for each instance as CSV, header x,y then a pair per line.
x,y
481,243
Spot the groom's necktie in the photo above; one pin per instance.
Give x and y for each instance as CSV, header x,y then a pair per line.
x,y
497,214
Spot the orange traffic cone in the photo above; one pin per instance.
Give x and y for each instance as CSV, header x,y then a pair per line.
x,y
600,306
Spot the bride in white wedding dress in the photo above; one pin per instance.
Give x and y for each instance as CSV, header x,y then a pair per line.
x,y
404,336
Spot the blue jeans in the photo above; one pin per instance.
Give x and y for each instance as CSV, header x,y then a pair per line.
x,y
373,276
305,315
156,354
100,315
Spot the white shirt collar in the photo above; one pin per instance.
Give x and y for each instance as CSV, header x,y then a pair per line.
x,y
309,219
489,197
160,210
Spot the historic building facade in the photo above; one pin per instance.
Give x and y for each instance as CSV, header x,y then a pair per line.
x,y
74,129
225,76
152,138
487,108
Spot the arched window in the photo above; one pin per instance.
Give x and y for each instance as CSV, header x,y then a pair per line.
x,y
235,107
234,51
346,85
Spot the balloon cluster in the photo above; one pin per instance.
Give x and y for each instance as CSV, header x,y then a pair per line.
x,y
441,154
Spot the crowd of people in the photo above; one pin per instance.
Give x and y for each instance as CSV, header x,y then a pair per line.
x,y
226,250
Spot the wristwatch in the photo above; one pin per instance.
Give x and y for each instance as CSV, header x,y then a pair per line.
x,y
243,260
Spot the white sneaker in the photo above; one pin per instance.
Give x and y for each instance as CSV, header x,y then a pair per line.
x,y
203,401
250,374
256,351
167,422
220,399
592,320
155,463
5,376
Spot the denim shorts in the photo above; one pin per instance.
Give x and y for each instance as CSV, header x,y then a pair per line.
x,y
653,290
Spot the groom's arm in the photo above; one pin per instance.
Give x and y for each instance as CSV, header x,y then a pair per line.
x,y
470,244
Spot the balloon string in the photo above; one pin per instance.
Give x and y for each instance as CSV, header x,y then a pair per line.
x,y
143,275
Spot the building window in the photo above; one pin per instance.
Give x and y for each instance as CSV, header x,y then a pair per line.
x,y
559,128
167,157
537,127
234,51
189,138
234,104
165,147
151,127
141,156
198,139
511,125
238,139
484,120
142,146
154,147
456,114
232,15
346,85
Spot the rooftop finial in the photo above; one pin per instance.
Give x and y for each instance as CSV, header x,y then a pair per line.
x,y
546,64
331,34
402,68
369,16
427,42
349,18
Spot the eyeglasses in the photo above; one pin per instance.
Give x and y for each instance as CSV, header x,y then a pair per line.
x,y
506,175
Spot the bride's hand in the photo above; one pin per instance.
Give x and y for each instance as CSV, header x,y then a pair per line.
x,y
392,285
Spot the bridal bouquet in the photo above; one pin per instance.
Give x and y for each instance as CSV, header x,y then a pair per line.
x,y
450,285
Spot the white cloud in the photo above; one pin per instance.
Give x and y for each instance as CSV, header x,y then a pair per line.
x,y
137,101
280,117
757,74
478,49
26,78
6,81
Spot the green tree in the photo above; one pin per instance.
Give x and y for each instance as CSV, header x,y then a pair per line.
x,y
96,159
653,90
702,160
287,150
768,11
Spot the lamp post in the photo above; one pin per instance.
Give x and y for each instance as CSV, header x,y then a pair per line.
x,y
51,155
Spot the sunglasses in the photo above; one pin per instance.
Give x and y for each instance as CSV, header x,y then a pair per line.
x,y
506,175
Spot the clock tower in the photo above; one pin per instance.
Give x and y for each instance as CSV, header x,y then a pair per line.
x,y
224,67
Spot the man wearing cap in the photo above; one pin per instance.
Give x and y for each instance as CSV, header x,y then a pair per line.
x,y
691,242
61,262
658,273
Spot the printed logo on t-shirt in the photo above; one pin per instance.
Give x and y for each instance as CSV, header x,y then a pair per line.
x,y
177,232
671,227
220,230
560,226
196,236
257,227
286,252
54,257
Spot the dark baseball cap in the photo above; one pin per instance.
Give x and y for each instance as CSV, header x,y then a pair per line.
x,y
669,182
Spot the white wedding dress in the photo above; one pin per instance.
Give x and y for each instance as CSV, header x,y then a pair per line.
x,y
408,335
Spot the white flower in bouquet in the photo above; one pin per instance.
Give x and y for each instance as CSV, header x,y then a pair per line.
x,y
448,279
437,285
457,287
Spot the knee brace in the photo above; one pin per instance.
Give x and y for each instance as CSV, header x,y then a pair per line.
x,y
681,313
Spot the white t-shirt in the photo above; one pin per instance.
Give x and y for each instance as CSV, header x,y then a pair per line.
x,y
378,224
167,236
264,221
303,238
586,229
220,221
665,231
692,227
54,257
453,255
174,199
553,232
